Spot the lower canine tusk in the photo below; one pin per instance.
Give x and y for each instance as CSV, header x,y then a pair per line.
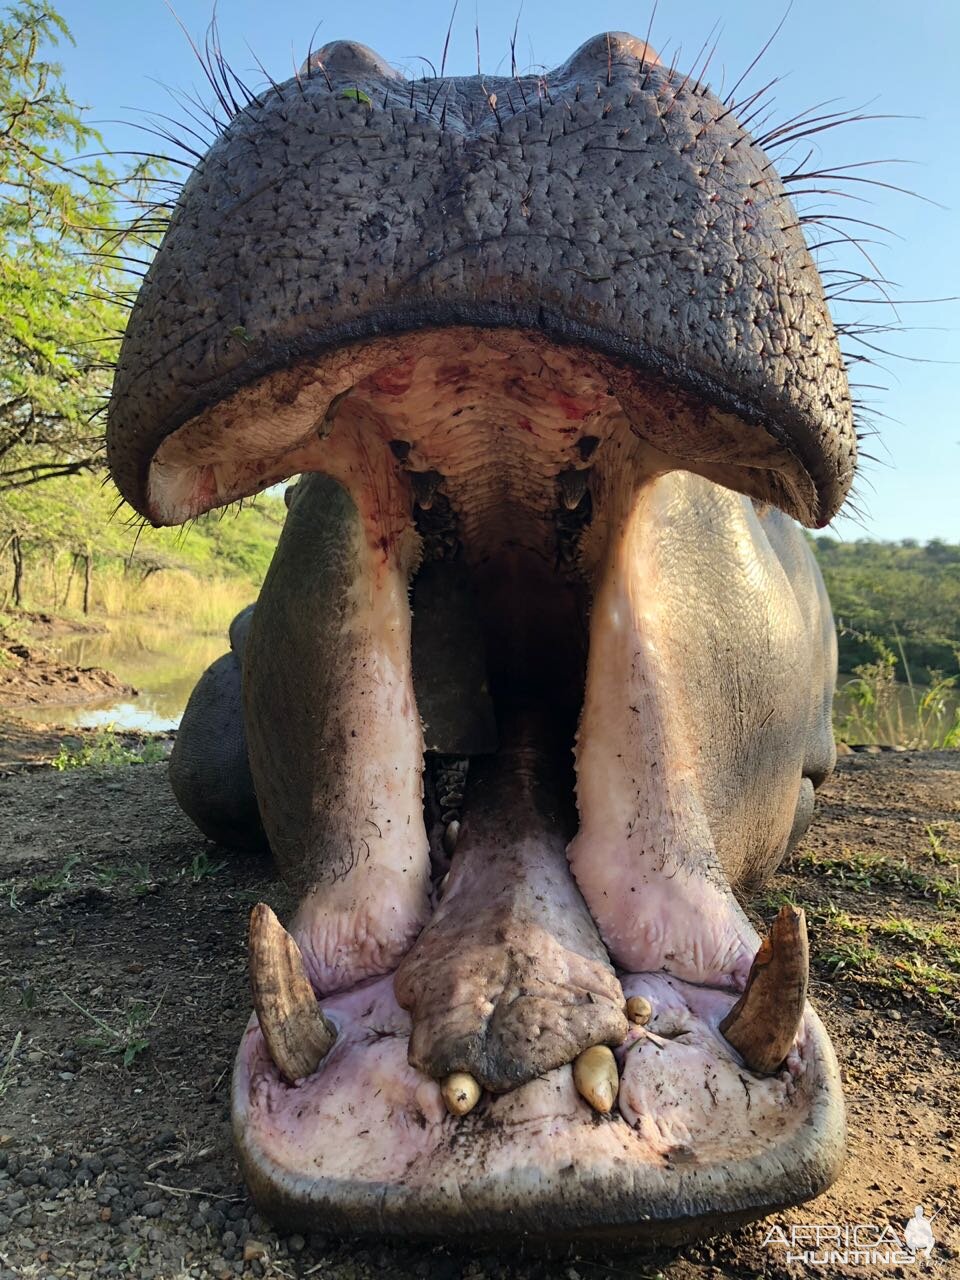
x,y
296,1031
764,1022
596,1078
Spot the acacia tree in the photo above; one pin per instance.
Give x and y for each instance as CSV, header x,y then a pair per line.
x,y
63,243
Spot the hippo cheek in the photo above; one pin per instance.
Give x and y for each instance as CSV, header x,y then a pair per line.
x,y
541,672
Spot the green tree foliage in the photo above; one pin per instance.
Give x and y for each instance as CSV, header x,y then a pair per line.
x,y
62,249
905,595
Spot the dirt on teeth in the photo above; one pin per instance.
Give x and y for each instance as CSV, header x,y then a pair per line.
x,y
461,1093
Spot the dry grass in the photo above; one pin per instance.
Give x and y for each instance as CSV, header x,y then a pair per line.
x,y
199,604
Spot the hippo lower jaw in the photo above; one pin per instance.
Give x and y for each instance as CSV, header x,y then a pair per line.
x,y
697,1143
509,469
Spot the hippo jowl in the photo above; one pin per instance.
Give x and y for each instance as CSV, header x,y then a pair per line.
x,y
541,672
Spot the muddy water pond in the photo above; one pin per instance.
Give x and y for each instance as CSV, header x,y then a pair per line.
x,y
162,662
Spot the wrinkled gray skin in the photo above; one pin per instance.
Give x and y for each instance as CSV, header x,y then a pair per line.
x,y
557,366
209,770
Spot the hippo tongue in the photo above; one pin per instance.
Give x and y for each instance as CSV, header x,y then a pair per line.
x,y
510,978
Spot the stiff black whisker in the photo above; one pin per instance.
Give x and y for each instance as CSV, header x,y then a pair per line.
x,y
646,38
826,220
837,176
806,117
179,124
764,105
856,242
202,114
141,155
444,88
166,136
732,94
904,302
513,49
898,355
788,139
418,57
207,70
446,43
700,78
218,64
114,299
309,62
277,89
756,97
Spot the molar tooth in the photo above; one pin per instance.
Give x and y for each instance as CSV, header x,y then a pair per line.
x,y
425,485
764,1022
639,1010
450,837
596,1079
573,485
461,1093
297,1033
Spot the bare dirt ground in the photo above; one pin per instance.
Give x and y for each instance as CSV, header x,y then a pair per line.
x,y
123,996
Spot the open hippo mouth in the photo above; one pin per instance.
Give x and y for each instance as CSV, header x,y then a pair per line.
x,y
531,686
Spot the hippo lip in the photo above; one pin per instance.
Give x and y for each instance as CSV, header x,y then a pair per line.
x,y
507,436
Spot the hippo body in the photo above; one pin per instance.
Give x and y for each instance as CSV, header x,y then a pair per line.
x,y
541,672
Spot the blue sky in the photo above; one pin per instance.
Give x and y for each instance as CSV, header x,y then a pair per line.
x,y
871,54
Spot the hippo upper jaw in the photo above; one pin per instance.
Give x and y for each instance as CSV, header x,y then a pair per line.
x,y
610,204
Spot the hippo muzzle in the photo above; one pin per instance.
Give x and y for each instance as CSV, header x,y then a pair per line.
x,y
541,672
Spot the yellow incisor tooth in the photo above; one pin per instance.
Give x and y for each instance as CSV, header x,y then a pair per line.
x,y
461,1093
639,1010
595,1076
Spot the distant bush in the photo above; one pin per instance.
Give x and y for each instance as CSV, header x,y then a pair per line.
x,y
74,552
903,594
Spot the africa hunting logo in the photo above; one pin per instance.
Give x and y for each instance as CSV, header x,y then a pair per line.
x,y
823,1244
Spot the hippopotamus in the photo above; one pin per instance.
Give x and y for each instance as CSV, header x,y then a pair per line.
x,y
540,676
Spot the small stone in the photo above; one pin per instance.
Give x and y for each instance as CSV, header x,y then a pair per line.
x,y
254,1249
229,1239
296,1244
153,1209
106,1214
